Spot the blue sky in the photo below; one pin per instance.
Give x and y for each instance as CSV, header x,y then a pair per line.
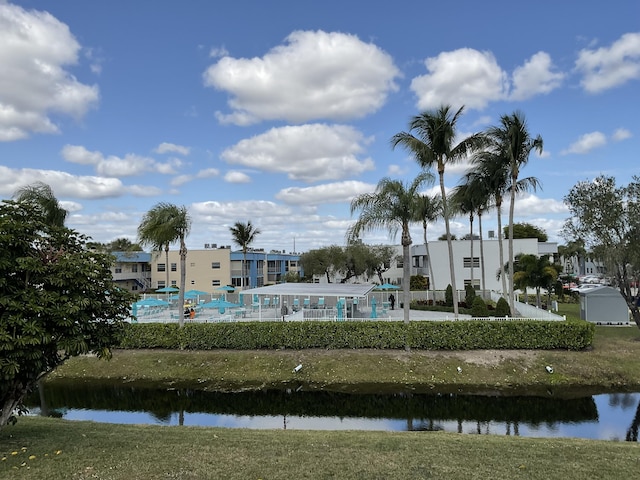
x,y
280,112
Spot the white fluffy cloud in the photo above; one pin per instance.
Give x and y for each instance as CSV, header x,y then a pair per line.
x,y
309,153
621,134
586,143
35,48
535,77
461,77
113,166
63,184
473,78
609,67
313,75
234,176
328,193
165,147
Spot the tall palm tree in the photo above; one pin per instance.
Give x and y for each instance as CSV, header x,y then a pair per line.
x,y
393,207
515,143
243,235
161,226
489,170
434,146
41,195
429,209
465,199
482,197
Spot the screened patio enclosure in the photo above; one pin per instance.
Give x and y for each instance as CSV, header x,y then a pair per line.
x,y
309,301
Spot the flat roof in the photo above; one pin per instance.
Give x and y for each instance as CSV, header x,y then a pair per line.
x,y
314,289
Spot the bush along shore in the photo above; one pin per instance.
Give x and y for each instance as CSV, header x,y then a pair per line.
x,y
462,335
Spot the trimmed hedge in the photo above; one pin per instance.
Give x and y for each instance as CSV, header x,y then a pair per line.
x,y
422,335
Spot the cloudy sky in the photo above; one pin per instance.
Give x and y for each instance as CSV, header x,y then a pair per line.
x,y
281,112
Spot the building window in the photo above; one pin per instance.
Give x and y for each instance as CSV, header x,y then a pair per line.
x,y
162,267
215,264
146,267
215,283
174,283
174,267
118,269
467,262
134,268
193,282
161,284
192,264
476,283
400,263
236,282
134,288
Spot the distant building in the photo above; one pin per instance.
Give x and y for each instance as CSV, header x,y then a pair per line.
x,y
463,263
132,270
262,268
206,269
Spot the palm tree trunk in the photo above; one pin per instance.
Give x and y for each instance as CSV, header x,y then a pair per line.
x,y
512,305
471,248
501,250
432,280
406,274
166,265
183,279
242,265
452,272
482,272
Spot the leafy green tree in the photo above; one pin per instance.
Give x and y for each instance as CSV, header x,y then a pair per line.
x,y
443,238
41,196
515,144
322,261
526,230
354,260
244,234
418,283
535,272
607,219
378,260
575,253
161,226
392,206
291,277
428,211
434,146
57,300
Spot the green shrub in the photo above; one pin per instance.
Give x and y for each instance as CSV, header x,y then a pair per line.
x,y
447,335
479,308
502,308
418,282
448,296
469,294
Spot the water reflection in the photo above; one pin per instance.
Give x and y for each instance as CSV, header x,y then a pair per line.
x,y
610,416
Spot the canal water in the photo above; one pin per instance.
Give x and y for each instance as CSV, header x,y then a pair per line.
x,y
614,416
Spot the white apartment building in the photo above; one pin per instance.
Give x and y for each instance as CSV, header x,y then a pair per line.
x,y
467,267
464,264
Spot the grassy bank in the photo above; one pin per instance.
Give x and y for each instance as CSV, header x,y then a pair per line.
x,y
52,449
612,364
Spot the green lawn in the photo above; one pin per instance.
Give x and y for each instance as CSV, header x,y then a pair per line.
x,y
57,449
